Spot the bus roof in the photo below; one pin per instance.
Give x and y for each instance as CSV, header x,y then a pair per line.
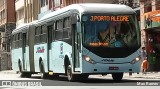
x,y
23,27
20,27
93,8
138,8
82,8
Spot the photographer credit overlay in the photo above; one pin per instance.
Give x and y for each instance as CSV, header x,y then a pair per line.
x,y
21,83
9,83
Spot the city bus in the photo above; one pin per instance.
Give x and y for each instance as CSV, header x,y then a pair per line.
x,y
77,41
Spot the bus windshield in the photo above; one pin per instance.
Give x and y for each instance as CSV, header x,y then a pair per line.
x,y
112,31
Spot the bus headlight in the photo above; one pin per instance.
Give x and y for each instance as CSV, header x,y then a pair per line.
x,y
135,60
88,59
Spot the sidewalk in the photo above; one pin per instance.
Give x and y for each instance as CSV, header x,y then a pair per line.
x,y
148,75
8,72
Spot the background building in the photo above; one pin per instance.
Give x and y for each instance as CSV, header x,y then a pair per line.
x,y
150,30
7,24
47,6
131,3
26,11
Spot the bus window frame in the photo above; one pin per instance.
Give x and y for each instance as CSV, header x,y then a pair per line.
x,y
59,29
43,35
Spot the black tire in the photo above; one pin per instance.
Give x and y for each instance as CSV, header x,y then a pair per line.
x,y
71,77
28,75
20,66
42,71
54,76
23,74
117,76
84,76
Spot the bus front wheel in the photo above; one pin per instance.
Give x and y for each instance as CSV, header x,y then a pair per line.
x,y
117,76
71,77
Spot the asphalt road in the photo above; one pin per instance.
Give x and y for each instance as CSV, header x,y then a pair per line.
x,y
93,80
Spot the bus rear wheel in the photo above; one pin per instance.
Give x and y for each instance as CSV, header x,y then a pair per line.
x,y
20,66
25,75
22,73
117,76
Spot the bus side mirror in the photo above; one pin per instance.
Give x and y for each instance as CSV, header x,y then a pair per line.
x,y
74,18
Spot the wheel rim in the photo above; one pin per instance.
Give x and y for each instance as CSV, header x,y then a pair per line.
x,y
69,74
41,71
20,68
41,75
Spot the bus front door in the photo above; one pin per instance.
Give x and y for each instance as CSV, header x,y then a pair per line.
x,y
24,50
75,48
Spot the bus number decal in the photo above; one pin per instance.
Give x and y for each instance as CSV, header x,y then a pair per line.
x,y
40,49
61,48
61,51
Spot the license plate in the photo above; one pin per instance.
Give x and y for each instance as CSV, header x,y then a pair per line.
x,y
113,68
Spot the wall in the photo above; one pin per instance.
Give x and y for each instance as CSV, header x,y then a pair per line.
x,y
11,11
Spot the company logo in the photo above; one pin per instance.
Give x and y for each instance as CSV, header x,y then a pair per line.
x,y
40,49
107,60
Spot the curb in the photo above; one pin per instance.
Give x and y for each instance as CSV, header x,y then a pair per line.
x,y
148,77
8,72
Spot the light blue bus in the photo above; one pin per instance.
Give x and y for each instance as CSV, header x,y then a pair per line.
x,y
77,41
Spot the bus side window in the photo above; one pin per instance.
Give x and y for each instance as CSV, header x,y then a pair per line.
x,y
43,35
27,39
37,35
20,39
50,27
12,41
53,32
59,30
17,40
67,30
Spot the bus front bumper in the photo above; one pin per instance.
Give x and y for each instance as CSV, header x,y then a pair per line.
x,y
110,68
